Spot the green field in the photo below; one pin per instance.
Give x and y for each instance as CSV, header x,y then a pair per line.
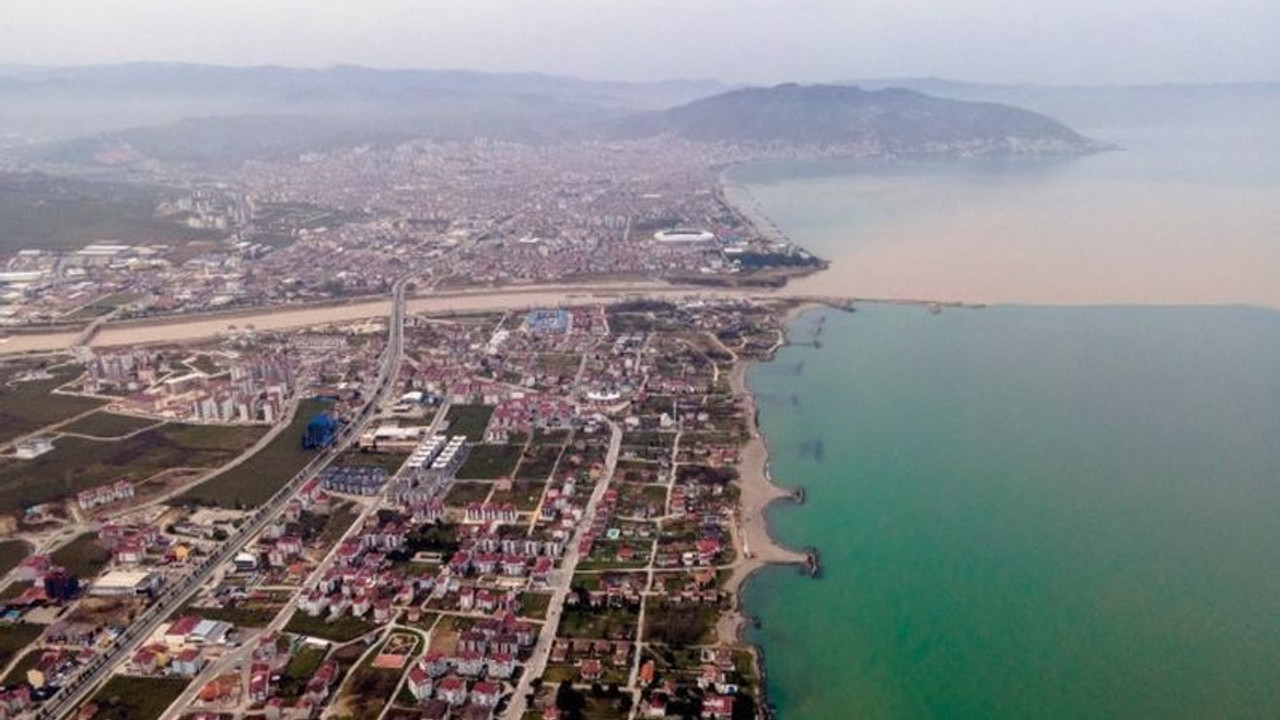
x,y
390,462
25,407
340,519
15,639
608,624
11,553
14,589
369,689
550,437
524,494
539,462
83,556
462,494
102,306
299,670
105,424
469,420
535,605
43,211
281,219
344,629
17,674
77,463
254,481
489,462
242,615
135,698
680,626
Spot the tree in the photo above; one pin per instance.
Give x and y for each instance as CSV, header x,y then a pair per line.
x,y
570,701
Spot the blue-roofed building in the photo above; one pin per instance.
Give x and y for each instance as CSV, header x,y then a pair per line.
x,y
547,321
321,431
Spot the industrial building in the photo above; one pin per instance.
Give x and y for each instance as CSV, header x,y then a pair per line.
x,y
125,583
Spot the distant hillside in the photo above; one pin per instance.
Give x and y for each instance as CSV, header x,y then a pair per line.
x,y
209,114
891,120
59,103
1117,106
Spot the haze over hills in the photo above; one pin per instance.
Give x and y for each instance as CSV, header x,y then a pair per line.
x,y
1085,106
199,113
58,103
893,120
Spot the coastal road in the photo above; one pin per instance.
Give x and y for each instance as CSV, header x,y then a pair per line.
x,y
69,697
564,580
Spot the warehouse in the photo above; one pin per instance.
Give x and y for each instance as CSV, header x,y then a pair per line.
x,y
125,583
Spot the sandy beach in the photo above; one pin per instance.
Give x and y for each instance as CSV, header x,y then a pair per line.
x,y
757,547
758,491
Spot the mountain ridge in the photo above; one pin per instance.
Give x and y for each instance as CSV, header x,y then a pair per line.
x,y
192,112
1114,106
894,120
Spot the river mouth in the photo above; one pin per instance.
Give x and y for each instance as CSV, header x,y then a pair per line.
x,y
1182,216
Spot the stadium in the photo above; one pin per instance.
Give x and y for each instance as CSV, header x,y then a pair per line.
x,y
684,235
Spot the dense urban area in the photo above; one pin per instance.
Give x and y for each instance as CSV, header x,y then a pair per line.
x,y
519,514
533,510
348,222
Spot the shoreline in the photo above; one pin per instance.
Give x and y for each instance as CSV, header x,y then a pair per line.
x,y
759,491
757,485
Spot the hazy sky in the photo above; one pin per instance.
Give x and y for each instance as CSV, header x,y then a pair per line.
x,y
1049,41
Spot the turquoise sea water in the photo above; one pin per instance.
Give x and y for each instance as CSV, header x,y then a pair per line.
x,y
1026,513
